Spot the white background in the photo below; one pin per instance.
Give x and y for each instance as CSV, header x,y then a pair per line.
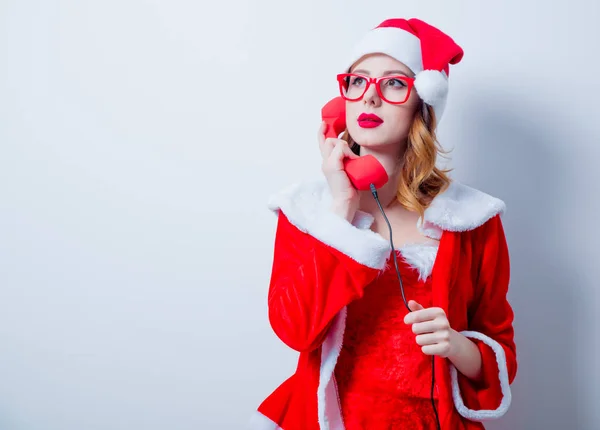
x,y
140,141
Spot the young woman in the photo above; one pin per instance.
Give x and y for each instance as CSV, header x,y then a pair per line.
x,y
405,331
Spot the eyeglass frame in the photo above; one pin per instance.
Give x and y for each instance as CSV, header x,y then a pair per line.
x,y
375,80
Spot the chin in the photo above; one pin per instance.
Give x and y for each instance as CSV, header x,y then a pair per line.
x,y
370,138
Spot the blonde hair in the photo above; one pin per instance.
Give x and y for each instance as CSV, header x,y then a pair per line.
x,y
420,179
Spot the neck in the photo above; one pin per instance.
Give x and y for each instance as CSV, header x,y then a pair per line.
x,y
391,159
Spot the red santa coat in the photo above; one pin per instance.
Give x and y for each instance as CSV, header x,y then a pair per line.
x,y
322,263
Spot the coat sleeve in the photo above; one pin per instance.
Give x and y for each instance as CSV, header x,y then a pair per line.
x,y
491,329
320,264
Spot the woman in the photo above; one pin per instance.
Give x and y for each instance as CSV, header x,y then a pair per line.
x,y
366,353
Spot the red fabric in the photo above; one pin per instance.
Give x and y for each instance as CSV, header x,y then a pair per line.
x,y
384,379
438,49
311,282
491,315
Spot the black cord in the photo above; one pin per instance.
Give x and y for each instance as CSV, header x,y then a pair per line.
x,y
374,192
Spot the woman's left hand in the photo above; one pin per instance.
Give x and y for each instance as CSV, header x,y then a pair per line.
x,y
432,328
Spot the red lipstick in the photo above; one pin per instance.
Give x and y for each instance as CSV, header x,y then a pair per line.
x,y
369,120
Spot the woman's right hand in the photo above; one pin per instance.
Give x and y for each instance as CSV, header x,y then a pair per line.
x,y
345,197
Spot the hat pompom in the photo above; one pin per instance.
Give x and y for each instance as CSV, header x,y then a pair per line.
x,y
432,86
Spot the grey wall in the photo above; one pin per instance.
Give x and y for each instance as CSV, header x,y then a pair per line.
x,y
140,141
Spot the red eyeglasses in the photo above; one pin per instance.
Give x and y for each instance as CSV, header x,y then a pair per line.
x,y
393,89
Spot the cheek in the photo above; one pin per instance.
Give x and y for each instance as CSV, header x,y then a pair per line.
x,y
402,120
403,115
351,115
351,111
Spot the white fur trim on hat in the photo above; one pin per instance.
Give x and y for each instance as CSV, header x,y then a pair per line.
x,y
432,86
395,42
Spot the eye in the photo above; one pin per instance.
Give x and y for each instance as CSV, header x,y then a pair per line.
x,y
357,81
395,82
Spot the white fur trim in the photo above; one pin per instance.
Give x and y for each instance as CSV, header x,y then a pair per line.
x,y
484,414
307,206
421,257
439,110
362,220
395,42
329,412
259,421
432,86
459,208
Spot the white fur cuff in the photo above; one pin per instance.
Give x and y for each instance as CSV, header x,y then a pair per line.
x,y
484,414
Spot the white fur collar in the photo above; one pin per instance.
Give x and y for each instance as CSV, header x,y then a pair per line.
x,y
421,257
459,208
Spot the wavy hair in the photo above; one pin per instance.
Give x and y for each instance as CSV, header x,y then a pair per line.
x,y
420,179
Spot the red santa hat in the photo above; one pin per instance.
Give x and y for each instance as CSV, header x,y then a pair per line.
x,y
426,50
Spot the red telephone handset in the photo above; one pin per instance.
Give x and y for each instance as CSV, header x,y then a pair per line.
x,y
362,171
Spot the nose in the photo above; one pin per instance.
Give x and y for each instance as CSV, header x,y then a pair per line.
x,y
371,97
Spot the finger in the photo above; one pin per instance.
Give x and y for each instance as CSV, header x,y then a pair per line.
x,y
347,151
423,315
432,338
414,306
321,132
337,155
328,148
326,144
428,327
340,153
343,149
441,349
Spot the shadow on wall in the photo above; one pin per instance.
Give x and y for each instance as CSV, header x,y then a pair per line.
x,y
516,159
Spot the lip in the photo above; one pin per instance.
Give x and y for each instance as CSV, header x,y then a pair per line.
x,y
369,120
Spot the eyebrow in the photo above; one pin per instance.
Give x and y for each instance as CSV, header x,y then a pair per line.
x,y
387,72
